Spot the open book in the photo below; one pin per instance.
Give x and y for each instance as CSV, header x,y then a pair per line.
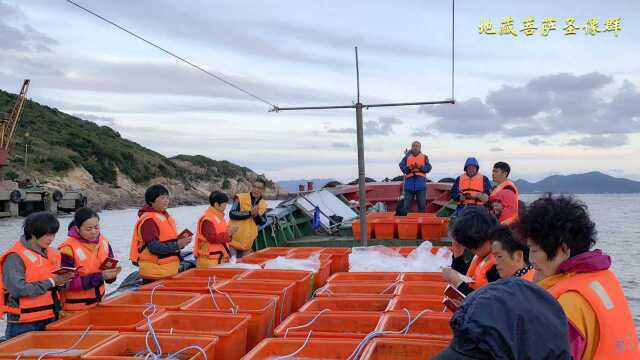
x,y
453,298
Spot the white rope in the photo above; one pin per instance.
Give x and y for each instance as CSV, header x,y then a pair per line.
x,y
86,331
286,332
290,356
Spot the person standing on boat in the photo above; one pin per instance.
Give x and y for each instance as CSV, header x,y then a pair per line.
x,y
560,235
512,255
471,188
28,285
155,248
87,249
247,213
213,234
472,230
504,197
415,166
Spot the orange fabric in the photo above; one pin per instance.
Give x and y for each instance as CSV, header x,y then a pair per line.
x,y
507,184
247,229
151,267
529,275
88,257
211,254
417,161
471,186
612,333
37,268
478,270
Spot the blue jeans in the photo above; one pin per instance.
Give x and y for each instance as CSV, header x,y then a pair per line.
x,y
421,197
15,328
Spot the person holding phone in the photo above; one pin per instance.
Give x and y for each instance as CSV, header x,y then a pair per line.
x,y
247,212
155,244
28,284
213,233
87,249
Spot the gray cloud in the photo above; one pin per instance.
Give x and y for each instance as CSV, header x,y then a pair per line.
x,y
552,104
536,142
20,37
600,141
342,131
100,120
382,126
340,145
496,149
424,132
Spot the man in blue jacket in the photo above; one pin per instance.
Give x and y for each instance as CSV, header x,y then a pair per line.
x,y
415,166
471,188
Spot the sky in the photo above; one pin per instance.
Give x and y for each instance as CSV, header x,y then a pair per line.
x,y
556,104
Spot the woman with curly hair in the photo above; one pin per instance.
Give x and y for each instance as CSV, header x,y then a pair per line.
x,y
560,236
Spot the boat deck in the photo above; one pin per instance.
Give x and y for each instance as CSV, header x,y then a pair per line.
x,y
349,241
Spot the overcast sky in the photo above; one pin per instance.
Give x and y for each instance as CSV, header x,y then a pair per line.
x,y
547,105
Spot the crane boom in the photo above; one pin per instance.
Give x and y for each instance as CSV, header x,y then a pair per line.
x,y
9,124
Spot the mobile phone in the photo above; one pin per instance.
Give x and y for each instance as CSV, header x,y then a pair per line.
x,y
64,270
185,233
451,304
109,263
453,294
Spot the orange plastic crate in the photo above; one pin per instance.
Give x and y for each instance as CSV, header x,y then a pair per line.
x,y
408,228
401,349
364,276
126,346
350,304
320,278
302,289
261,308
369,289
35,343
217,273
422,288
434,326
140,299
231,330
384,229
339,258
326,349
422,276
330,325
101,318
283,289
355,229
253,260
405,250
432,228
180,285
380,215
415,304
306,250
280,251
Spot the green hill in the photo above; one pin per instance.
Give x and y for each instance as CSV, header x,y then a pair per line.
x,y
58,142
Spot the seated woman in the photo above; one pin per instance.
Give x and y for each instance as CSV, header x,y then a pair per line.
x,y
87,249
28,285
471,230
560,236
213,233
512,256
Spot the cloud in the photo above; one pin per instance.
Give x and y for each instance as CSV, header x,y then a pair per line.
x,y
552,104
536,142
382,126
424,132
496,149
20,37
340,145
600,141
100,120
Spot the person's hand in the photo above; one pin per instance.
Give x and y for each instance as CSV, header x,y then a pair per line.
x,y
110,274
184,241
62,279
452,277
463,197
254,211
233,229
497,208
457,249
482,197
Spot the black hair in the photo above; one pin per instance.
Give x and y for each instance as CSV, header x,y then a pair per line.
x,y
218,197
553,221
82,215
39,224
262,181
502,166
509,241
153,192
473,227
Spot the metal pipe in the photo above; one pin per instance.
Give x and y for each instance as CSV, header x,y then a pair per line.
x,y
411,103
361,176
314,107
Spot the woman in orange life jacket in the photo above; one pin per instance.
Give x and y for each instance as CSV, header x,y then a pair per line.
x,y
471,230
560,236
86,248
213,233
28,288
511,254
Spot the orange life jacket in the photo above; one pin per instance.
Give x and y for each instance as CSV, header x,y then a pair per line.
x,y
247,229
509,185
471,186
618,339
152,267
37,268
529,275
416,160
208,254
478,270
89,261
